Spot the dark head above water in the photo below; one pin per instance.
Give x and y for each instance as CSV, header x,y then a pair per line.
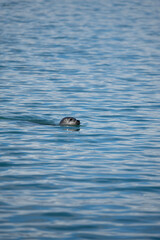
x,y
69,121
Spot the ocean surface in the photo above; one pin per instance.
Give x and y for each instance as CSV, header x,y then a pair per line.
x,y
98,61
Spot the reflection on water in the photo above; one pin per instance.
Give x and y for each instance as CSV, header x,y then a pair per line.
x,y
97,61
71,128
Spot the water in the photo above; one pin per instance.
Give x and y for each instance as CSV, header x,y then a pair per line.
x,y
97,61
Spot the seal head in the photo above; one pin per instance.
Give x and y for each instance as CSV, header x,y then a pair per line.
x,y
69,121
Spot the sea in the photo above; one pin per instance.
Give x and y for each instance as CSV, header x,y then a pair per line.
x,y
97,61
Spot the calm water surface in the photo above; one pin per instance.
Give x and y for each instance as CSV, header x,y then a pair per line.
x,y
98,61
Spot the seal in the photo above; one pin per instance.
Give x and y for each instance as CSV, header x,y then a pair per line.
x,y
69,121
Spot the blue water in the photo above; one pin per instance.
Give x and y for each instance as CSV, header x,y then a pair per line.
x,y
98,61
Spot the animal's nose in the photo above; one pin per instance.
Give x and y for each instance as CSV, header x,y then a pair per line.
x,y
78,122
